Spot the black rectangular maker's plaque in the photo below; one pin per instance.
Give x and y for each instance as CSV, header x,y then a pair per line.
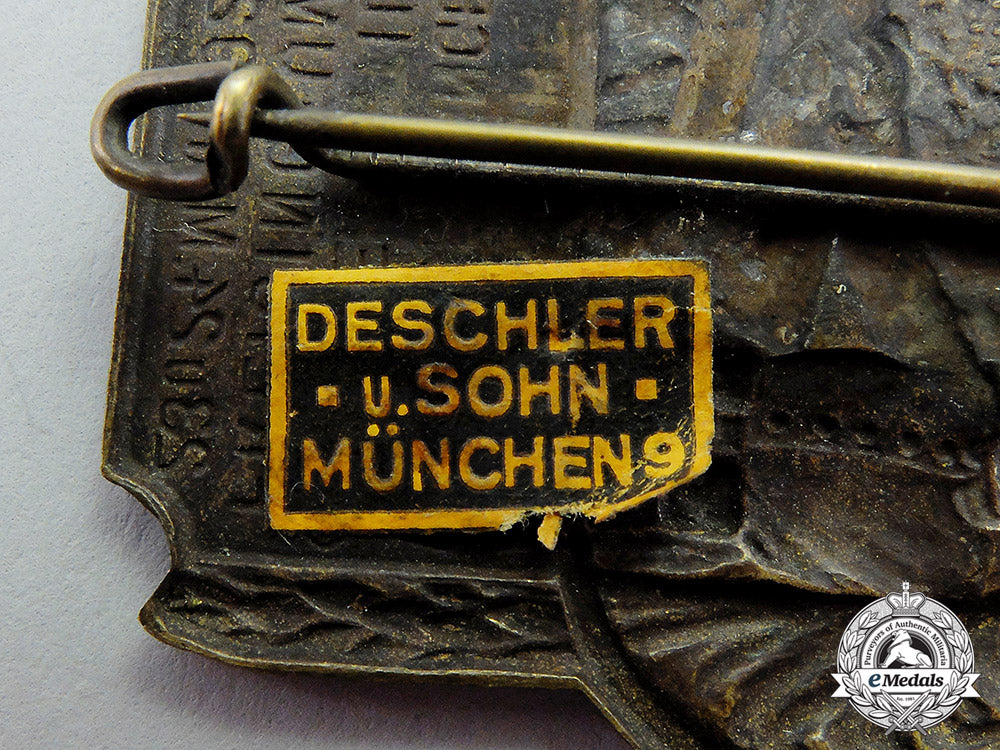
x,y
475,396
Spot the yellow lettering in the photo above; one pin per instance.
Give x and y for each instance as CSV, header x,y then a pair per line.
x,y
580,388
451,335
564,460
339,462
401,319
658,322
472,479
620,465
485,408
371,475
528,323
380,409
356,325
556,342
530,390
664,454
513,461
304,343
424,375
439,468
596,320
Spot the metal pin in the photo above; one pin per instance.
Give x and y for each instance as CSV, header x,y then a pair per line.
x,y
254,101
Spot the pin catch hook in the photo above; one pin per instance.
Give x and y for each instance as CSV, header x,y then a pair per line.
x,y
255,101
239,94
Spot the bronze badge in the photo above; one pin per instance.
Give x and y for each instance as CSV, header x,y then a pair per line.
x,y
700,296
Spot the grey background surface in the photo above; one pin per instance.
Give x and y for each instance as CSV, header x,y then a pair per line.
x,y
78,557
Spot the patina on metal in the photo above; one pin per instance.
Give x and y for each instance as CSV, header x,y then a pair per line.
x,y
855,359
236,117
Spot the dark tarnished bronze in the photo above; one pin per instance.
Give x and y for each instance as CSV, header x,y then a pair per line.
x,y
856,360
241,91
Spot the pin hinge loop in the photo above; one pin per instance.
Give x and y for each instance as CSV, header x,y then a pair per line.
x,y
255,101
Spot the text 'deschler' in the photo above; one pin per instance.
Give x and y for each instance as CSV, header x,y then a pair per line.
x,y
472,397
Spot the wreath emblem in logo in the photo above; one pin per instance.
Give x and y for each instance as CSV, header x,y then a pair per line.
x,y
905,662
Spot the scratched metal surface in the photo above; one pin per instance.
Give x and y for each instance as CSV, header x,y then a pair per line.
x,y
856,356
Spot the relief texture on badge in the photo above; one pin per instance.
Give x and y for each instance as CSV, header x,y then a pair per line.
x,y
856,383
474,397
